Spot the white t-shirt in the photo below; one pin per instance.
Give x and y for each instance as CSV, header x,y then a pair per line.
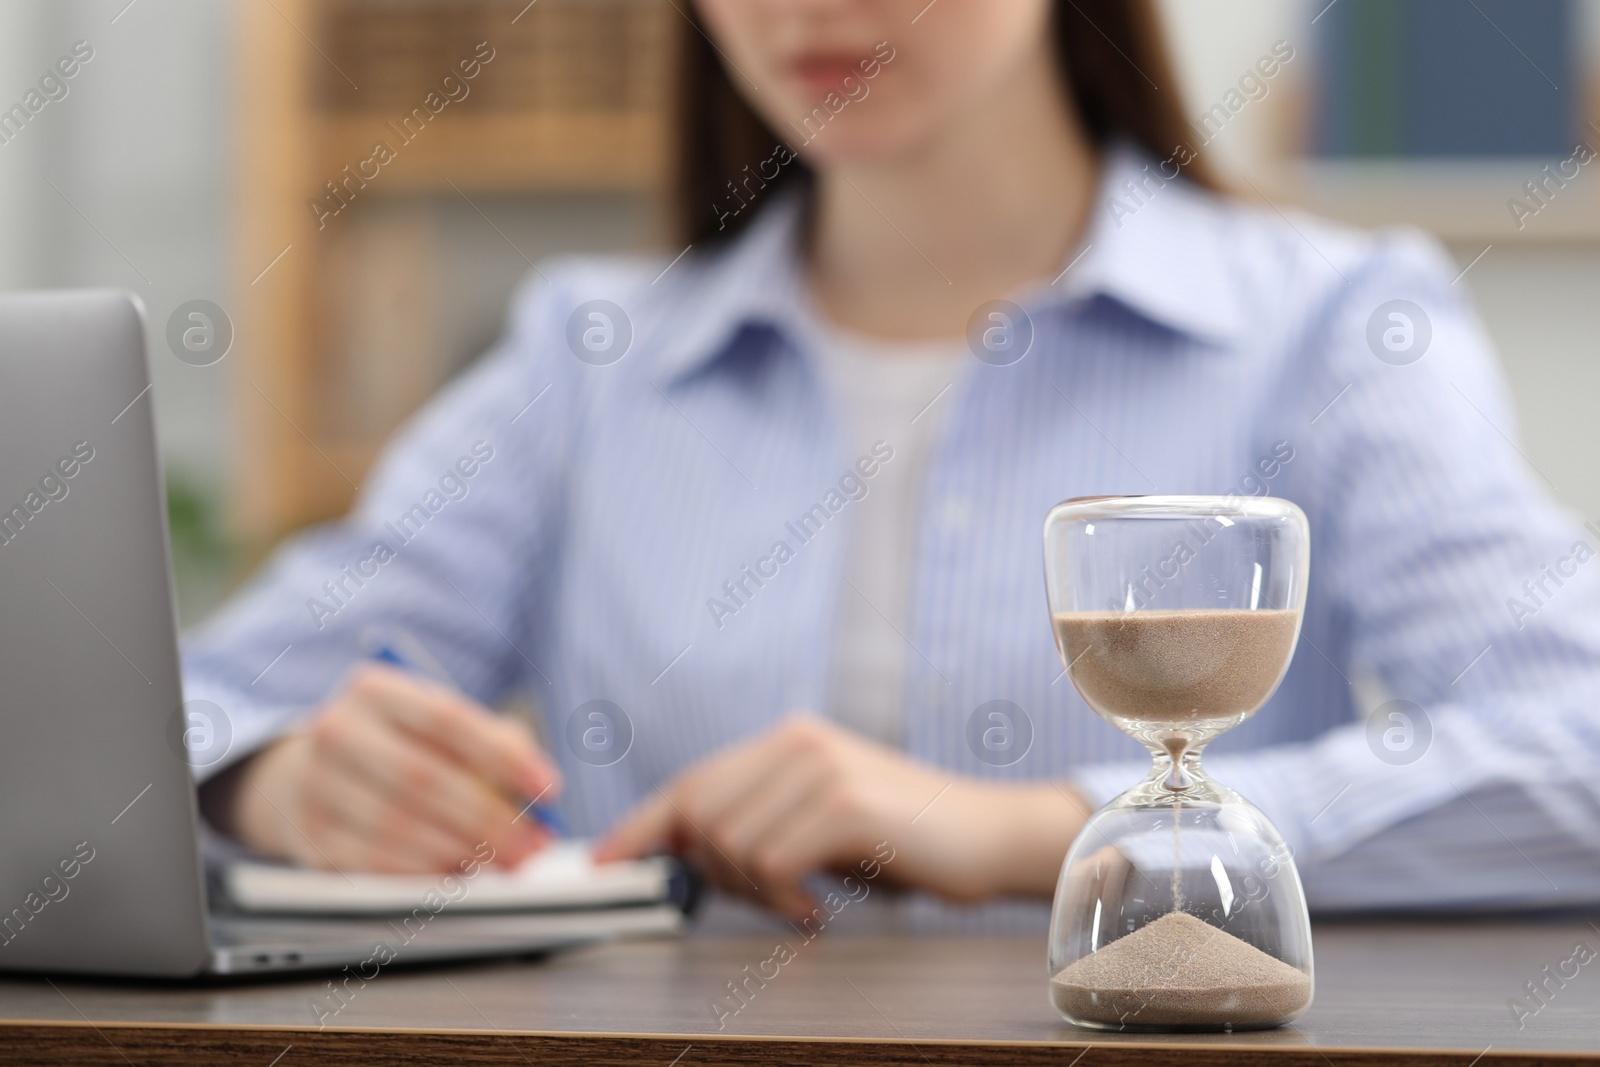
x,y
893,391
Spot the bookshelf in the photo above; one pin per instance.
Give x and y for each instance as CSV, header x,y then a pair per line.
x,y
1445,116
356,119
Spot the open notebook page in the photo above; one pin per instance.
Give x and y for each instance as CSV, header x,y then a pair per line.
x,y
559,877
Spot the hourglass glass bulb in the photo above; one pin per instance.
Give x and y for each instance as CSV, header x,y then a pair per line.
x,y
1178,905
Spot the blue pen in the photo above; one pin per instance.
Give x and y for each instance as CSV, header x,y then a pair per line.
x,y
399,649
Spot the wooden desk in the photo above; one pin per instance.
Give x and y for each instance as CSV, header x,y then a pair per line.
x,y
1432,993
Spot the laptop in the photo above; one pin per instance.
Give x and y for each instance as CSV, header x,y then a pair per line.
x,y
100,863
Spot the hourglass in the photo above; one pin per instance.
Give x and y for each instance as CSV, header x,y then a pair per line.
x,y
1179,906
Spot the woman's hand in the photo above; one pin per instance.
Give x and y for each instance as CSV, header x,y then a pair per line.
x,y
394,774
809,796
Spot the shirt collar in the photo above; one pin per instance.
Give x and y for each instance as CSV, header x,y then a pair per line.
x,y
1153,244
754,282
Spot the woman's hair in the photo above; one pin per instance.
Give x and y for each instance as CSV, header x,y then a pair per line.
x,y
1117,71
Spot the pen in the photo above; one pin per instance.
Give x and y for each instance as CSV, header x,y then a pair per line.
x,y
399,649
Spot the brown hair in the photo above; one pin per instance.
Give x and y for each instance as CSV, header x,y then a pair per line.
x,y
1117,68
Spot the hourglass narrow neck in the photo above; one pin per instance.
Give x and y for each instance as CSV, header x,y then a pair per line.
x,y
1175,766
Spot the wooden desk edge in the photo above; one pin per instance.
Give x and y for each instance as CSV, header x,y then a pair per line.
x,y
30,1041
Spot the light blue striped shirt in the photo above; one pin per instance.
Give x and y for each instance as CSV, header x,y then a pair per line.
x,y
667,533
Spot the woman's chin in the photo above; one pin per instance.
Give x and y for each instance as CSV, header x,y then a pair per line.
x,y
861,145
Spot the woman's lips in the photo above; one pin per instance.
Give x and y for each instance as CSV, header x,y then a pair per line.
x,y
823,73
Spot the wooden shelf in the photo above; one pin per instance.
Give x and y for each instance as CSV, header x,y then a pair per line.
x,y
506,152
1459,200
335,316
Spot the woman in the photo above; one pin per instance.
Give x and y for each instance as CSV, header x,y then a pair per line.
x,y
760,533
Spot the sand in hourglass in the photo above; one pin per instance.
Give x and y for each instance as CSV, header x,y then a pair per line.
x,y
1181,972
1176,666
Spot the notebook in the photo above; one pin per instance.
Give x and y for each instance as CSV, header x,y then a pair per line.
x,y
560,877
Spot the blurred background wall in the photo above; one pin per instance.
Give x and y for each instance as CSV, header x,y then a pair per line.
x,y
162,168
